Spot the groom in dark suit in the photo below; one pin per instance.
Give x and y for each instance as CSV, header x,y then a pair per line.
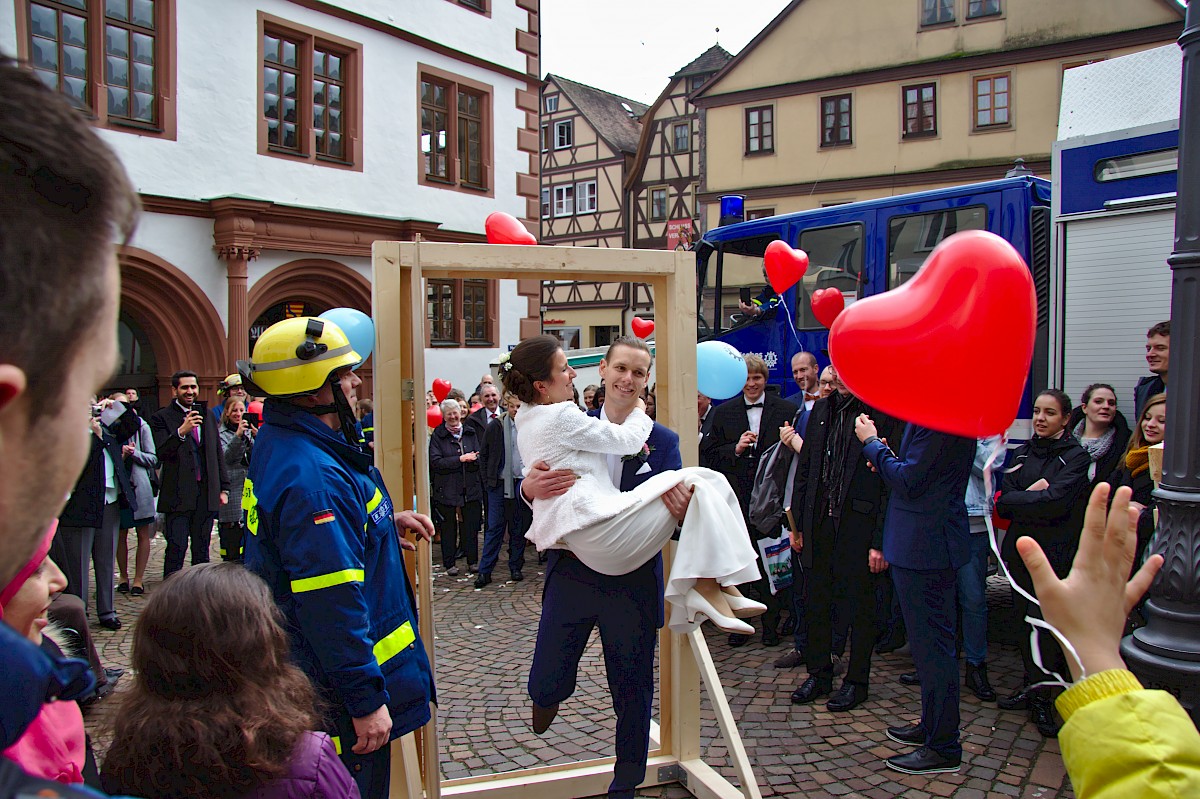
x,y
926,538
628,608
743,428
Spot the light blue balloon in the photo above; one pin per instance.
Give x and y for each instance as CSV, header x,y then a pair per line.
x,y
720,370
357,326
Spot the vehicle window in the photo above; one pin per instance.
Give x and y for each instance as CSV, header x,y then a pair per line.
x,y
741,275
835,260
912,238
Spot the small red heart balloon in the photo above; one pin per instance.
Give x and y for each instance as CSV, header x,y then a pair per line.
x,y
504,228
642,327
969,312
785,266
827,304
433,416
441,389
255,407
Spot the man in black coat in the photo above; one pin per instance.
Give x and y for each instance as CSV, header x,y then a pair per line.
x,y
742,429
491,411
87,532
194,481
502,473
840,502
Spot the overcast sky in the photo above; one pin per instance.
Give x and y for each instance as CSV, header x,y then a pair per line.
x,y
631,47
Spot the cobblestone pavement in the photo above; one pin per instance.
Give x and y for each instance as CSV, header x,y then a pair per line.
x,y
485,643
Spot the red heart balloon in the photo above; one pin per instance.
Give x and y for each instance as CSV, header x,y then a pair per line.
x,y
441,389
504,228
255,407
785,266
642,327
827,304
433,416
969,314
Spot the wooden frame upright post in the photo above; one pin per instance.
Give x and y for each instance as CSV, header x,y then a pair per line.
x,y
402,454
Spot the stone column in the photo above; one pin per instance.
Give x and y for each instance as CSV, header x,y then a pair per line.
x,y
238,333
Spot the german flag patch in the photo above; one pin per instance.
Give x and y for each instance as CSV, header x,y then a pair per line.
x,y
323,517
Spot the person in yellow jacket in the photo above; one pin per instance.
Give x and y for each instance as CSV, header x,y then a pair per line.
x,y
1118,739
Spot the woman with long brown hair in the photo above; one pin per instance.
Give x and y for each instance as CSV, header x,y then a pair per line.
x,y
1134,469
217,709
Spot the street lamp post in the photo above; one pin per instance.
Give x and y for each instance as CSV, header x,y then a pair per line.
x,y
1166,652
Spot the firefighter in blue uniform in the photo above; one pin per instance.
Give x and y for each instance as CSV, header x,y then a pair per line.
x,y
324,535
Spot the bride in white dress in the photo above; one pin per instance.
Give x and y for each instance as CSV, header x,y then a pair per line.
x,y
613,532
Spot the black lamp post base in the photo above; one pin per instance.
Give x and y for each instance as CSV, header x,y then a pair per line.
x,y
1164,654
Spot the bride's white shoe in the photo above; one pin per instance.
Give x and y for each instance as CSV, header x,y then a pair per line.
x,y
697,604
744,608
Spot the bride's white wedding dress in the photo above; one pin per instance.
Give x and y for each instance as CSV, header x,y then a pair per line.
x,y
615,532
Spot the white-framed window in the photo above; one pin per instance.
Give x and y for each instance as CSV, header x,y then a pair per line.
x,y
564,200
545,138
550,103
564,134
545,203
585,196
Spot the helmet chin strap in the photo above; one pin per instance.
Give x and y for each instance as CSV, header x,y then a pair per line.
x,y
339,406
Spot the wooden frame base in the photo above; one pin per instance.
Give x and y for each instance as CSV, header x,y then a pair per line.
x,y
398,301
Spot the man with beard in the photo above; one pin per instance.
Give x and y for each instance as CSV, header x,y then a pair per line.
x,y
840,540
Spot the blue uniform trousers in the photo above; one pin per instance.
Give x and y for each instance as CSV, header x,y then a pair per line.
x,y
574,601
928,602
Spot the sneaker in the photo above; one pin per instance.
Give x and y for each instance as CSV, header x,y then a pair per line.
x,y
923,761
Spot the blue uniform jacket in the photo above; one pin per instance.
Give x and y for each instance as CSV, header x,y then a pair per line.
x,y
926,526
321,535
664,456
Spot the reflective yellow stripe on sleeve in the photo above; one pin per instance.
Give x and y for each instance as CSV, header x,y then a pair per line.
x,y
250,505
327,580
375,500
394,643
337,744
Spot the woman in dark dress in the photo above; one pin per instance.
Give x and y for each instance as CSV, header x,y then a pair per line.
x,y
1043,493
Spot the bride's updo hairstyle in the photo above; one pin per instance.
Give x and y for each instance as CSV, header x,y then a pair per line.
x,y
531,360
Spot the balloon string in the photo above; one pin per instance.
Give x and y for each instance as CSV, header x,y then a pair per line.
x,y
788,315
1035,647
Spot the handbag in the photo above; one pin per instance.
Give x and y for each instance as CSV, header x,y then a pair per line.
x,y
777,561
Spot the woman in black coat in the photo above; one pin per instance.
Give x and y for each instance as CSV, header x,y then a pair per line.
x,y
1100,429
1043,493
457,490
1134,470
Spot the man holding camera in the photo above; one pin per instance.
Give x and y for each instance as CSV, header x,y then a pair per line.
x,y
195,483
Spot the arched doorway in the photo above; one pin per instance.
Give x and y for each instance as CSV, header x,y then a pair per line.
x,y
137,368
178,323
309,287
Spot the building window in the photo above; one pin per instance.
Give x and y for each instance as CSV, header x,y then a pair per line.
x,y
604,335
982,8
550,103
937,12
920,110
585,197
475,311
564,134
441,312
759,213
310,95
111,59
545,138
760,130
460,312
991,101
545,203
564,200
456,150
835,121
475,5
658,205
681,137
696,81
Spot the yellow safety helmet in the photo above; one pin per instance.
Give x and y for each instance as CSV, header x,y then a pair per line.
x,y
297,356
232,381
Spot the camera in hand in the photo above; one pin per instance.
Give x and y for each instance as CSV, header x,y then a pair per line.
x,y
200,406
252,419
744,295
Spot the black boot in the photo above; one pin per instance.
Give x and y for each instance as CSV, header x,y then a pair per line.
x,y
977,681
1019,700
1041,713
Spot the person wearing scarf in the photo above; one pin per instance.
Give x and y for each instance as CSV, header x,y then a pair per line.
x,y
1134,470
1101,430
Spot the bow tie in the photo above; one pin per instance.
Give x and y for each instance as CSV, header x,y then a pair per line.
x,y
755,405
808,396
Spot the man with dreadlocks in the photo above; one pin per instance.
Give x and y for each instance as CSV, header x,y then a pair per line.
x,y
325,537
839,535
